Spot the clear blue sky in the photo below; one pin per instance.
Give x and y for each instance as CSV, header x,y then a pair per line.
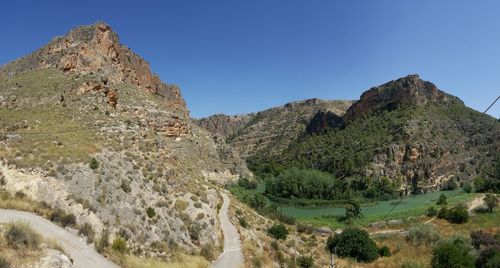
x,y
242,56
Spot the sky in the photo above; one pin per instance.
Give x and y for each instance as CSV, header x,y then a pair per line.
x,y
237,56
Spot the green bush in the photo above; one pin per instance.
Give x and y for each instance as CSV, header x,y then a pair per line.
x,y
126,186
195,231
4,263
422,234
59,216
305,262
458,214
151,212
384,251
93,163
20,235
443,213
468,187
119,245
353,243
87,231
489,257
278,231
431,212
452,253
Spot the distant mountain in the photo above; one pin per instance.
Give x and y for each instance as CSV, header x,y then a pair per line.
x,y
269,132
85,98
398,130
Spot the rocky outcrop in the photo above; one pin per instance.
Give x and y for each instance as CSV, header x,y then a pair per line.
x,y
324,120
96,50
224,125
409,90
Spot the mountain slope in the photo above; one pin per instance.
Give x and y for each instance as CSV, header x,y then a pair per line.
x,y
86,127
398,130
271,131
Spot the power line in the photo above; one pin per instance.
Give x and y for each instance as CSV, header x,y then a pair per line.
x,y
442,155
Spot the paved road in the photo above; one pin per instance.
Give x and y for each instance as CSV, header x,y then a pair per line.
x,y
232,256
82,254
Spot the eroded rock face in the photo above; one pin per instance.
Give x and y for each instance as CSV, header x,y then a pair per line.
x,y
409,90
96,49
224,125
324,120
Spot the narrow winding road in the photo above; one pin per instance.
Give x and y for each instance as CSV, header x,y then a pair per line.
x,y
232,256
83,255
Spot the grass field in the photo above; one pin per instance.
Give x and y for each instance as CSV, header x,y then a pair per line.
x,y
413,205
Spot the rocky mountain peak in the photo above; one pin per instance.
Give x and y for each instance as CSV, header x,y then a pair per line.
x,y
409,90
95,49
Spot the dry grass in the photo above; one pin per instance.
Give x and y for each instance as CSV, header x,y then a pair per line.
x,y
131,261
22,257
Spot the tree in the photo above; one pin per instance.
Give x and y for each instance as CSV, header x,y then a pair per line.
x,y
431,212
353,209
384,251
491,201
489,257
305,262
354,243
453,253
278,231
442,200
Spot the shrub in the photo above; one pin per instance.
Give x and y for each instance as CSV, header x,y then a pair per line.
x,y
489,257
278,231
352,209
20,195
87,231
119,245
443,213
384,251
287,219
453,253
247,183
431,212
468,187
491,201
93,163
421,234
207,252
450,186
458,214
59,216
442,200
194,231
103,242
4,263
354,243
305,261
126,186
20,235
243,222
481,238
181,205
151,212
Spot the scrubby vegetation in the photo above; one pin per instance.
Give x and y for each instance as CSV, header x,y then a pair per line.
x,y
278,231
20,235
452,253
353,243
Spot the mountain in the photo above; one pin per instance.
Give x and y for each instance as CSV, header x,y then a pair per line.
x,y
270,131
86,127
399,130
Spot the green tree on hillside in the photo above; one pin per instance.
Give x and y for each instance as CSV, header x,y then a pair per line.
x,y
354,243
442,201
491,201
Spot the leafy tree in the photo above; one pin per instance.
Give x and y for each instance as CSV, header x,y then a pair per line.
x,y
305,261
468,187
354,243
278,231
352,209
491,201
453,253
151,212
442,200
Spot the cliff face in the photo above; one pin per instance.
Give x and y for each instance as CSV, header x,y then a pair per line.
x,y
409,90
96,50
224,125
